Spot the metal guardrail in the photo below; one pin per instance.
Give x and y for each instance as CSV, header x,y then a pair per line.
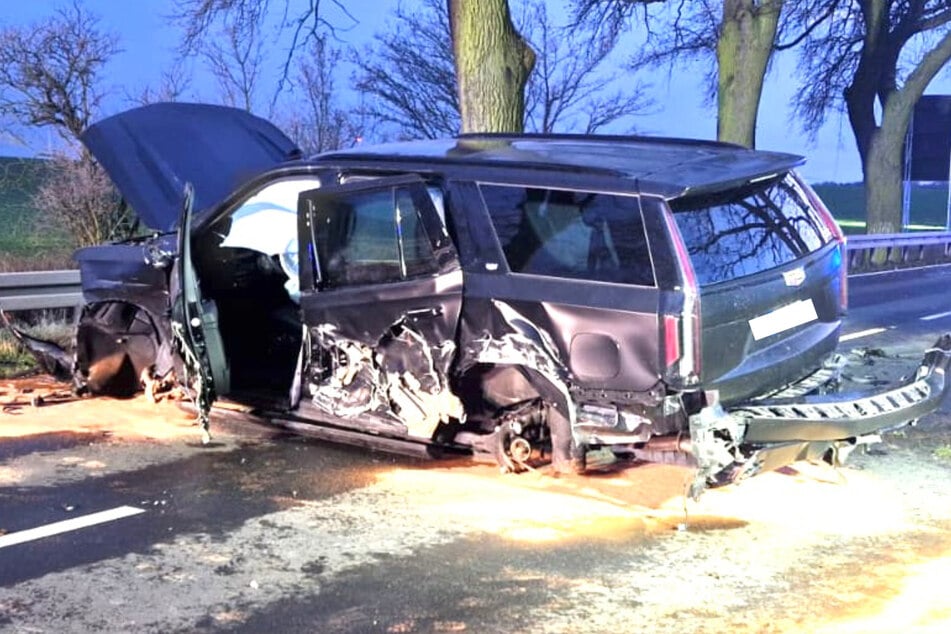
x,y
882,252
34,290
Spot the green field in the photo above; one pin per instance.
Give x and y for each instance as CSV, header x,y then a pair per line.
x,y
846,201
24,242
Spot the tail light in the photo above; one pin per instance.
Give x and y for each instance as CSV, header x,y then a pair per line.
x,y
671,341
682,331
833,227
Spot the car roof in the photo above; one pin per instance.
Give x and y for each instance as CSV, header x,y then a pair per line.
x,y
667,167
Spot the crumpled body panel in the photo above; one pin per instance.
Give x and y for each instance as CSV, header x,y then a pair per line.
x,y
401,378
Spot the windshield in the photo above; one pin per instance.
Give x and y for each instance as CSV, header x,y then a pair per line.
x,y
747,230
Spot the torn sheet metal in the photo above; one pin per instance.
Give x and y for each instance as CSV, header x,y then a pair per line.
x,y
526,345
116,345
51,358
396,379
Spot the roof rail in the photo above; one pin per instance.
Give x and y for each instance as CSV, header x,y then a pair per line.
x,y
607,138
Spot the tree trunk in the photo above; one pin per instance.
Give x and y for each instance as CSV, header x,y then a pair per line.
x,y
883,182
883,165
493,63
862,91
744,46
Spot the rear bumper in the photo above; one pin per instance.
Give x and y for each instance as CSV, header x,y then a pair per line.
x,y
844,416
728,446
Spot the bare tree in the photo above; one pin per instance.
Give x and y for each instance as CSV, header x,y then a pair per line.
x,y
871,58
493,62
235,58
171,87
570,88
50,74
410,79
78,197
319,123
302,21
747,34
875,60
735,38
409,75
50,71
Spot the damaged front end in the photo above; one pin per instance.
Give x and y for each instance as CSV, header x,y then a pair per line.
x,y
123,340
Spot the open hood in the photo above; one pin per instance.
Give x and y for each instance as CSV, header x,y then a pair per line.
x,y
152,151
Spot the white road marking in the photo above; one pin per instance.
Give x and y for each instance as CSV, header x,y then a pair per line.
x,y
65,526
862,333
935,316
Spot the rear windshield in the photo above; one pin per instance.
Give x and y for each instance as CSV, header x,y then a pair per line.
x,y
747,230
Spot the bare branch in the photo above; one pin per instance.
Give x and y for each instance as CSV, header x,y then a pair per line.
x,y
50,71
171,87
319,123
235,60
411,84
78,199
810,26
409,76
306,25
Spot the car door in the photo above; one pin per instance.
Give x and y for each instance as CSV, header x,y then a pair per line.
x,y
381,291
195,325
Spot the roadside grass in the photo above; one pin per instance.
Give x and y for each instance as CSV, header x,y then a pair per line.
x,y
943,453
14,361
42,259
49,325
928,209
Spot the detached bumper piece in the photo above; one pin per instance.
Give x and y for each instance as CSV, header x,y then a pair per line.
x,y
769,434
843,416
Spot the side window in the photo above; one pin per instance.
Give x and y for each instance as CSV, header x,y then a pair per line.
x,y
577,235
416,250
371,237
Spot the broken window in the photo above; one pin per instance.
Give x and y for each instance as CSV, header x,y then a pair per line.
x,y
267,222
570,234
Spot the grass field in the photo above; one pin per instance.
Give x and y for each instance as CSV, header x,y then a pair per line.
x,y
24,242
846,201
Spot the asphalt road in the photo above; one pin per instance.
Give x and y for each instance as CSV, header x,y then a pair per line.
x,y
264,531
902,307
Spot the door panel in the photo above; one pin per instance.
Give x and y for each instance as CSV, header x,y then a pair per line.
x,y
195,325
381,294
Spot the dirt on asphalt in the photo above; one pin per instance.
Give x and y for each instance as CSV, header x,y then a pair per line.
x,y
864,548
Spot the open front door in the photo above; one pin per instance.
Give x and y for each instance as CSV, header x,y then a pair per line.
x,y
381,291
195,326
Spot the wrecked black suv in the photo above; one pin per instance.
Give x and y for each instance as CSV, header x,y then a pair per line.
x,y
529,297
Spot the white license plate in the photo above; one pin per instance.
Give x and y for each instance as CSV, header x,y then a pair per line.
x,y
783,319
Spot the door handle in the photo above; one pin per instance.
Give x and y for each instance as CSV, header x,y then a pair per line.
x,y
421,313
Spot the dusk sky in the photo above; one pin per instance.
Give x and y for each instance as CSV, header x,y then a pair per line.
x,y
148,48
